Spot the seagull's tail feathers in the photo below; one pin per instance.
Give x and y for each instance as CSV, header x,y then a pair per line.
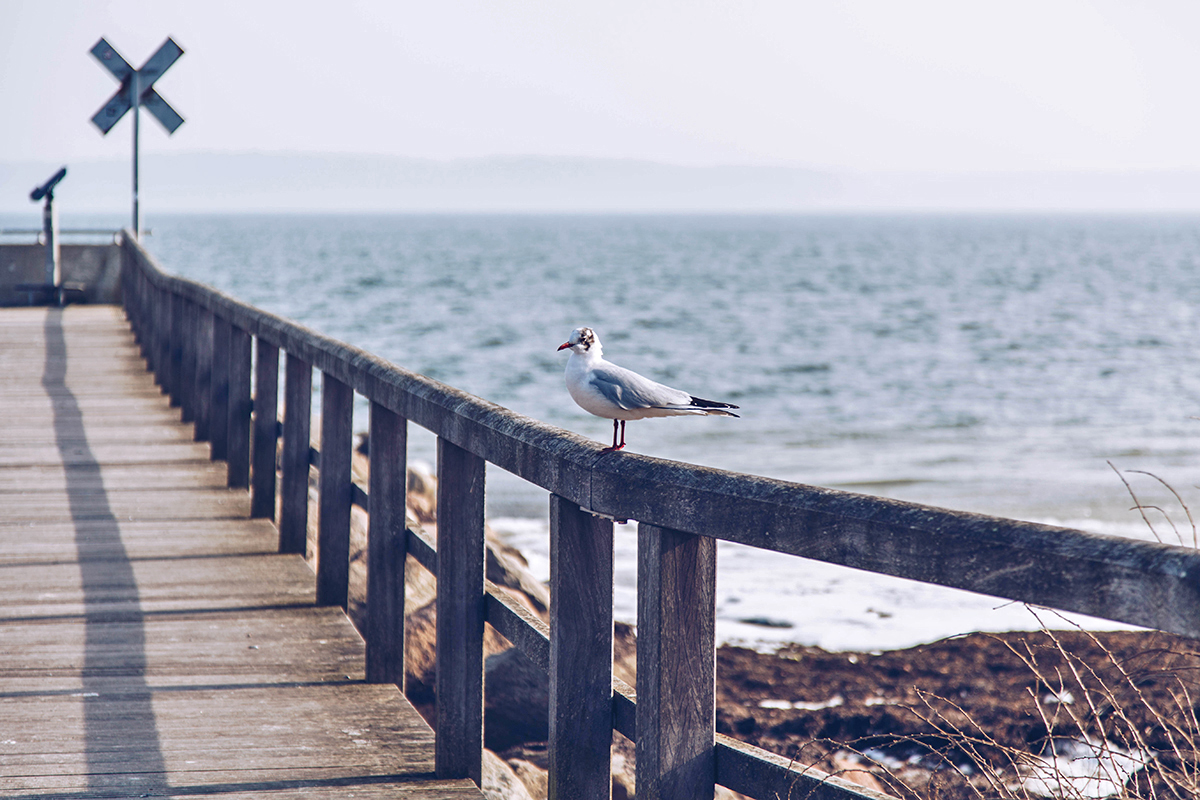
x,y
712,407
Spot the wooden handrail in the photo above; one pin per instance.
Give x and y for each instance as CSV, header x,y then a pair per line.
x,y
680,508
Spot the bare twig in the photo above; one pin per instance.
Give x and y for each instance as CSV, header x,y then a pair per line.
x,y
1136,503
1183,505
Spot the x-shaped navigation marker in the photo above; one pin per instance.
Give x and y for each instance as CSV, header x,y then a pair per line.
x,y
137,86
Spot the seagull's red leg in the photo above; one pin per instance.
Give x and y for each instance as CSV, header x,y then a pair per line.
x,y
616,446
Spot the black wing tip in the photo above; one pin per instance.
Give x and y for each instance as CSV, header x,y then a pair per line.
x,y
700,402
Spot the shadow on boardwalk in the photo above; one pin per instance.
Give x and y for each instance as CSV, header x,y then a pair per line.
x,y
118,736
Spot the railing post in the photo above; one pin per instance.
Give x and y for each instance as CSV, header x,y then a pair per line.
x,y
218,423
458,752
146,301
187,383
676,721
386,547
335,497
293,485
238,450
131,296
204,373
128,296
162,337
163,359
581,645
266,428
174,383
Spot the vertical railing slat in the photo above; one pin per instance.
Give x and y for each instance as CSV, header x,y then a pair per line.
x,y
149,349
676,720
581,650
240,405
293,484
266,428
335,497
187,378
174,383
218,424
204,373
162,337
386,547
131,298
460,613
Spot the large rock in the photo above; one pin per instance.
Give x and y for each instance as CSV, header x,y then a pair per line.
x,y
420,655
500,782
516,701
506,567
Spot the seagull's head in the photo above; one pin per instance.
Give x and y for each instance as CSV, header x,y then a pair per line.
x,y
583,340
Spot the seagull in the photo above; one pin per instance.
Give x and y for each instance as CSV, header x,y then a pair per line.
x,y
615,393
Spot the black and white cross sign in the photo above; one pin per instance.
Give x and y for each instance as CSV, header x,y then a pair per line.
x,y
137,91
137,86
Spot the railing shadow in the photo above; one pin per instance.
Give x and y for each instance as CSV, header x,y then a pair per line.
x,y
122,741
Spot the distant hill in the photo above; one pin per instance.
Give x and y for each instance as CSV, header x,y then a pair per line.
x,y
267,182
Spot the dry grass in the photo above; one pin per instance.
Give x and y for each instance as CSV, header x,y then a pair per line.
x,y
1105,726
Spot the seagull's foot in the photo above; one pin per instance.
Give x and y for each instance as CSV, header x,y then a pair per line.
x,y
614,448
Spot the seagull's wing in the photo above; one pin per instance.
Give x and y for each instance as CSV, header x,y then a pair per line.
x,y
631,391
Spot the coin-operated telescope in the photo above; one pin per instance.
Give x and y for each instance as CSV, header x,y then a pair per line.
x,y
46,190
53,284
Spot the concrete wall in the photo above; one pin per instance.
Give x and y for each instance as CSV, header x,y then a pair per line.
x,y
97,266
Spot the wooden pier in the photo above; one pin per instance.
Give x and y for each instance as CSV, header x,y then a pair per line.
x,y
160,634
154,642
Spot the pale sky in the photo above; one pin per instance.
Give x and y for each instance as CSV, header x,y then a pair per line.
x,y
915,85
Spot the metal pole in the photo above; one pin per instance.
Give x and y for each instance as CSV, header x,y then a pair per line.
x,y
50,231
135,90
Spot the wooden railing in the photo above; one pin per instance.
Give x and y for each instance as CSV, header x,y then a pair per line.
x,y
199,343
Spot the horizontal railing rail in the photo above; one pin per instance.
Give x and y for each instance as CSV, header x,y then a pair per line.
x,y
203,345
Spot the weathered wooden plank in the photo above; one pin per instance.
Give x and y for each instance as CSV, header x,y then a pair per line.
x,y
187,381
1143,583
386,547
197,473
126,429
266,429
676,684
109,453
624,710
240,407
421,548
218,423
333,533
174,378
518,624
116,403
162,338
58,541
581,652
87,503
293,484
176,652
204,373
460,612
756,772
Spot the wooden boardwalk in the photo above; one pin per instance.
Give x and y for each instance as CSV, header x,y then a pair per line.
x,y
153,643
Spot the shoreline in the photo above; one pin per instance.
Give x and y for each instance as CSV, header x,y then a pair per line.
x,y
949,718
766,604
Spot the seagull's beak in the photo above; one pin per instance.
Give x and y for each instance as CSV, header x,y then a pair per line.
x,y
564,345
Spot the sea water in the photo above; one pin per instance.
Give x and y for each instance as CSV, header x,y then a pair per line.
x,y
1008,365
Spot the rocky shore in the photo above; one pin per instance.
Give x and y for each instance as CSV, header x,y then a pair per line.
x,y
1068,713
